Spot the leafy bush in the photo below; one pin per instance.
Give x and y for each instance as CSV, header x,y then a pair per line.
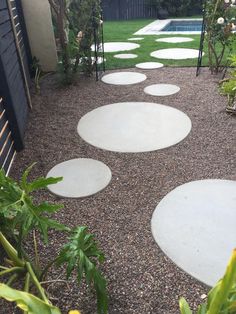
x,y
228,86
177,7
74,23
220,17
20,217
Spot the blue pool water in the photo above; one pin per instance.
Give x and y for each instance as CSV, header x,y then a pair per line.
x,y
183,26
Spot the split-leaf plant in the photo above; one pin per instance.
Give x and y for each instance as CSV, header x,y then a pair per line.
x,y
222,298
21,218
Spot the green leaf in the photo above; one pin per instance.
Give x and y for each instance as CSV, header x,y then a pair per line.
x,y
202,309
221,293
24,179
80,254
184,307
42,183
27,302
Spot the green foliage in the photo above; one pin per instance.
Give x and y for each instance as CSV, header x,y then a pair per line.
x,y
19,214
80,254
74,22
219,19
228,86
222,298
27,302
177,7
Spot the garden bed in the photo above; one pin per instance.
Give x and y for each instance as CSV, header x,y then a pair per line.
x,y
141,279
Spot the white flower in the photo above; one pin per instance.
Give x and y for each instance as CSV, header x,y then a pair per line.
x,y
220,20
233,26
233,1
101,22
226,1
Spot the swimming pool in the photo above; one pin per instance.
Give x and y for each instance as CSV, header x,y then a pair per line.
x,y
172,26
183,26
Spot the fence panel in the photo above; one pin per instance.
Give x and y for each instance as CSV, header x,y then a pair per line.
x,y
14,80
127,9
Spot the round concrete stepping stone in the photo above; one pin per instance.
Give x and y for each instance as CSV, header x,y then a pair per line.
x,y
149,65
118,46
175,53
195,226
126,56
131,127
137,38
161,89
174,39
81,177
124,78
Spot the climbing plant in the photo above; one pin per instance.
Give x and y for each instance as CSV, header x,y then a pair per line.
x,y
220,17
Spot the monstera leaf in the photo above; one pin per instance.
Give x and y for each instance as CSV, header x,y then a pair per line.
x,y
27,302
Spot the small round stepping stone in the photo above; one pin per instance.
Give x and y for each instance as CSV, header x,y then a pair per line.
x,y
81,177
176,53
174,39
126,56
161,89
118,46
124,78
149,65
137,38
133,127
195,227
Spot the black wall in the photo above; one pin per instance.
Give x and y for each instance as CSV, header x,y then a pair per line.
x,y
12,84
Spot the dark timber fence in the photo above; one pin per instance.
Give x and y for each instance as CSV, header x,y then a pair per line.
x,y
137,9
127,9
14,80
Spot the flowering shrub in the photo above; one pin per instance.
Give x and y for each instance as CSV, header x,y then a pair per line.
x,y
220,19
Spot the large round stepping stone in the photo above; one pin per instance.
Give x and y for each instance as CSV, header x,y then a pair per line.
x,y
134,127
161,89
126,56
149,65
118,46
137,38
174,39
195,226
81,177
124,78
175,53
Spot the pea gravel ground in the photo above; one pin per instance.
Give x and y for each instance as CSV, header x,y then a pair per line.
x,y
141,279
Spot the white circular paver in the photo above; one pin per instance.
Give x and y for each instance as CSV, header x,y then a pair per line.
x,y
174,39
149,65
134,127
126,56
161,89
175,53
81,177
137,38
195,226
118,46
124,78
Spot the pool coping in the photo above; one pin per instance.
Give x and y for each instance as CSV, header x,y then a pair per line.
x,y
155,28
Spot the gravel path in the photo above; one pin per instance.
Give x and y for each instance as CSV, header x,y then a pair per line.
x,y
141,279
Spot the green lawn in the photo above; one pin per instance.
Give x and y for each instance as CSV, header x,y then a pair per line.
x,y
122,30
